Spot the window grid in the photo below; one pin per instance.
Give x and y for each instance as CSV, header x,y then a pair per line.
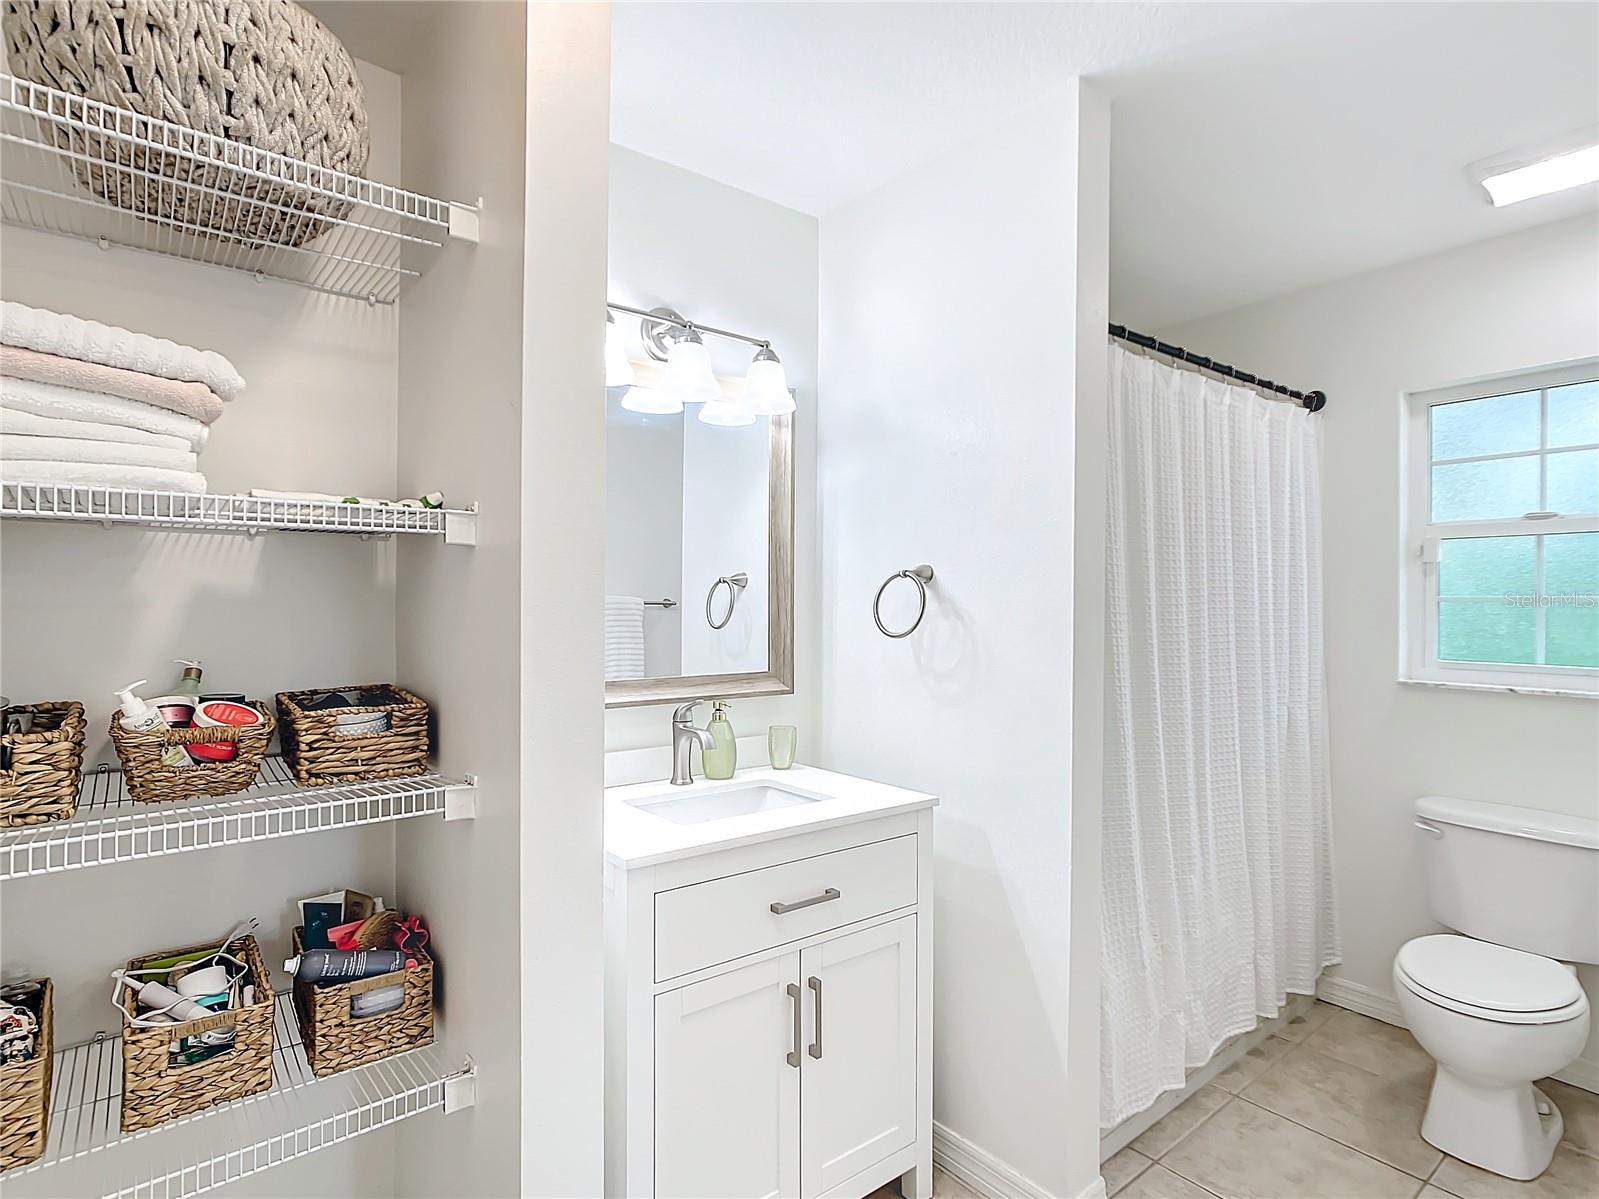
x,y
1437,532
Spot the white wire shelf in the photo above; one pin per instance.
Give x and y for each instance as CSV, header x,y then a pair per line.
x,y
108,827
300,1115
92,171
179,510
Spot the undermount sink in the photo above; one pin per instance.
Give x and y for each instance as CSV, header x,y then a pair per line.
x,y
700,807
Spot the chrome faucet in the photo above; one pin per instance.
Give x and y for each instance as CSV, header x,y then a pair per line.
x,y
684,737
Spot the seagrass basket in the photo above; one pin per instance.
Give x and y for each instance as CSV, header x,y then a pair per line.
x,y
45,765
335,1039
150,780
265,74
319,754
156,1088
25,1090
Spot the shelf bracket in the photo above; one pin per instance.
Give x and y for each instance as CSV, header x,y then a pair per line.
x,y
464,220
460,803
460,1090
460,527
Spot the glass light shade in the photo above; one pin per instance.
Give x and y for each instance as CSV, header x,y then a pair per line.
x,y
689,377
650,401
766,387
726,414
618,370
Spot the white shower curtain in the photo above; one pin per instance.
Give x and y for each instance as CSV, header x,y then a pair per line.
x,y
1217,840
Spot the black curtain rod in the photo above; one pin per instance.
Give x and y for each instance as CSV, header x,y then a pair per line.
x,y
1312,401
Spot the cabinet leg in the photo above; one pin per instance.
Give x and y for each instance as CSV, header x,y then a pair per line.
x,y
918,1183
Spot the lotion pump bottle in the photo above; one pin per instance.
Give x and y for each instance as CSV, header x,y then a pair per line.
x,y
137,716
721,760
189,684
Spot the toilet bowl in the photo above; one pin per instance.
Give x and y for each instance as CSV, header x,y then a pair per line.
x,y
1494,1019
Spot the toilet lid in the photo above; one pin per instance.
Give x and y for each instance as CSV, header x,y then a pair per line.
x,y
1484,975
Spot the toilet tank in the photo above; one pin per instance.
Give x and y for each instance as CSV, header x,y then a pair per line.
x,y
1520,877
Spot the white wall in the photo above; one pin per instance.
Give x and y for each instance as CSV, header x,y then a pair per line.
x,y
724,257
948,383
1519,301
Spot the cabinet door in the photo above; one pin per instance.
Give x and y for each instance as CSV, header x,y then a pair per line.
x,y
858,1092
727,1085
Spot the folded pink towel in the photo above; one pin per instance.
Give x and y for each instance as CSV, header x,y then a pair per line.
x,y
191,399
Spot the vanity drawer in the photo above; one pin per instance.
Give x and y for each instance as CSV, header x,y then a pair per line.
x,y
706,923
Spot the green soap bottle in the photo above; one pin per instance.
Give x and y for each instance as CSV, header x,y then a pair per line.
x,y
720,761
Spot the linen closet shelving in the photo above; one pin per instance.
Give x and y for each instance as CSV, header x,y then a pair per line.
x,y
369,241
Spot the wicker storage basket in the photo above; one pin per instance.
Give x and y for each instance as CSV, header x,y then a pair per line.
x,y
150,781
319,755
335,1040
46,765
263,73
25,1094
155,1089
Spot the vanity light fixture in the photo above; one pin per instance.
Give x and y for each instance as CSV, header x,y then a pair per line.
x,y
650,401
618,370
726,414
766,385
689,377
1568,162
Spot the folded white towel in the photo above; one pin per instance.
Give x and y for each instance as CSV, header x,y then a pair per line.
x,y
101,474
49,426
90,341
311,497
624,637
17,447
68,403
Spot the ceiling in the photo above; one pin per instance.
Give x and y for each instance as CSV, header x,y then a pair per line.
x,y
1257,149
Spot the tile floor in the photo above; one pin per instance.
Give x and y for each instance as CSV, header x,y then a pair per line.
x,y
1329,1109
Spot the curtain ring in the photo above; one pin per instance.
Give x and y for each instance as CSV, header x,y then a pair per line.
x,y
921,576
734,584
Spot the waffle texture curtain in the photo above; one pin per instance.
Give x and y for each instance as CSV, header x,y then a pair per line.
x,y
1218,898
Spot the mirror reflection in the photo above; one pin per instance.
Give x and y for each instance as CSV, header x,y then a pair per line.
x,y
686,544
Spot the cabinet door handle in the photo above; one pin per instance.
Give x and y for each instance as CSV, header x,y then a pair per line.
x,y
827,896
815,984
793,1055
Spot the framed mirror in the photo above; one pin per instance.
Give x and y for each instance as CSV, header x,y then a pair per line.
x,y
699,557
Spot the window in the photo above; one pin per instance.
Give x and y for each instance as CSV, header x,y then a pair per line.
x,y
1503,504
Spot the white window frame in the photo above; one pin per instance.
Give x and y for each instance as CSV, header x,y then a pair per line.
x,y
1419,578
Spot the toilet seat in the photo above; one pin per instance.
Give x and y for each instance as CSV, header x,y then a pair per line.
x,y
1489,982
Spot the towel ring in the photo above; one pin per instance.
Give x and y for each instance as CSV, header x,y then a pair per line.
x,y
734,584
920,575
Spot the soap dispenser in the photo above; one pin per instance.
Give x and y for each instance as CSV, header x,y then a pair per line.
x,y
189,684
721,760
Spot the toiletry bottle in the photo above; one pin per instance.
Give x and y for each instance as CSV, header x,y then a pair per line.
x,y
346,965
189,683
137,716
721,760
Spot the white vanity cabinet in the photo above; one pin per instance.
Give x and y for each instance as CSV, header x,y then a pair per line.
x,y
768,1003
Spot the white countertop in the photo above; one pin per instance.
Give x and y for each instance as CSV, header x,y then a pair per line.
x,y
635,837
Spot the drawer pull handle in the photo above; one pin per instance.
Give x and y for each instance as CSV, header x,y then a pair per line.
x,y
827,896
792,1057
815,1049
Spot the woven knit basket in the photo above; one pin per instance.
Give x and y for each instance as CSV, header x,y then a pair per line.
x,y
335,1040
313,747
263,73
25,1094
154,1090
148,780
41,784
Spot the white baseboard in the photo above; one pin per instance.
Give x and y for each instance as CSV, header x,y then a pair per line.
x,y
1380,1005
987,1175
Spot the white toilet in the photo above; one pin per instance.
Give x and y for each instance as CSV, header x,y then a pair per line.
x,y
1500,1006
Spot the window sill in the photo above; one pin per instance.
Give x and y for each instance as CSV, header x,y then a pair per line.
x,y
1507,688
